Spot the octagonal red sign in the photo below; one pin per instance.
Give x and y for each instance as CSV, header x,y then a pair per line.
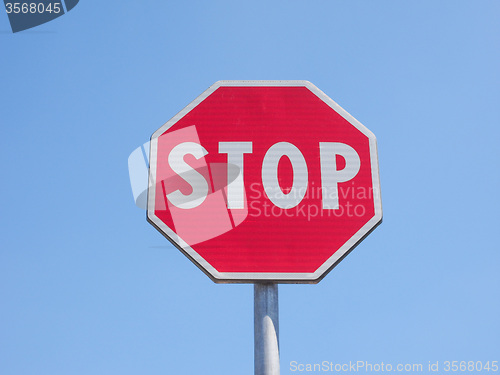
x,y
264,181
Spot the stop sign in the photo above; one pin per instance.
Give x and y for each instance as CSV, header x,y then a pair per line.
x,y
264,181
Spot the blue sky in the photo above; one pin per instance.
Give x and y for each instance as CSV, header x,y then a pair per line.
x,y
87,286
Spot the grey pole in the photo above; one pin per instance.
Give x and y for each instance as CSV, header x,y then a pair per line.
x,y
266,329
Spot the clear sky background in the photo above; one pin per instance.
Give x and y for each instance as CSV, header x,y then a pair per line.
x,y
88,287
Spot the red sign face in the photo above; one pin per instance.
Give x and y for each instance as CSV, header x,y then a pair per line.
x,y
264,181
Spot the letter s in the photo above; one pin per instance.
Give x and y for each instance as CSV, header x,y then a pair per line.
x,y
190,175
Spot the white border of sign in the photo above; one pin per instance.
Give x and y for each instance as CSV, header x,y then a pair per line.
x,y
250,277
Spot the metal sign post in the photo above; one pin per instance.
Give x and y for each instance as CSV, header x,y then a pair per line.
x,y
266,329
